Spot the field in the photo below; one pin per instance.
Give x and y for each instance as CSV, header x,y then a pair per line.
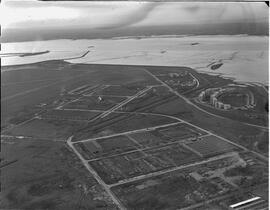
x,y
170,191
105,147
42,75
118,123
58,114
147,139
47,175
146,152
118,168
95,102
120,90
182,131
152,98
169,134
46,129
211,145
196,184
85,89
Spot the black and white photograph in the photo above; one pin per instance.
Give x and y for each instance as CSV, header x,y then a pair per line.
x,y
134,105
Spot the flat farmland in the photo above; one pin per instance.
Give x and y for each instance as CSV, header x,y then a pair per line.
x,y
120,90
117,168
142,162
166,135
146,139
46,129
67,77
69,115
95,102
106,146
120,122
174,154
181,131
164,192
211,146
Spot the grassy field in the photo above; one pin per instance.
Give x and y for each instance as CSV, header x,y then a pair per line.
x,y
127,90
106,147
66,77
162,192
118,123
69,115
124,166
94,102
153,98
47,175
211,145
46,129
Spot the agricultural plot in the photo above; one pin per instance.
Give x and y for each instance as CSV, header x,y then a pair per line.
x,y
166,135
120,122
168,191
174,154
211,145
95,102
106,147
69,115
117,168
46,129
142,162
119,90
146,139
181,131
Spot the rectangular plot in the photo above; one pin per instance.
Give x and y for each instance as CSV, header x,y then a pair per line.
x,y
211,145
69,115
181,131
95,102
147,139
46,129
114,169
138,163
161,192
119,90
174,154
106,147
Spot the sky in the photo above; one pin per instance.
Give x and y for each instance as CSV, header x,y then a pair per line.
x,y
106,16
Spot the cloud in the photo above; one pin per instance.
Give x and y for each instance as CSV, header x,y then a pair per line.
x,y
114,15
134,17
